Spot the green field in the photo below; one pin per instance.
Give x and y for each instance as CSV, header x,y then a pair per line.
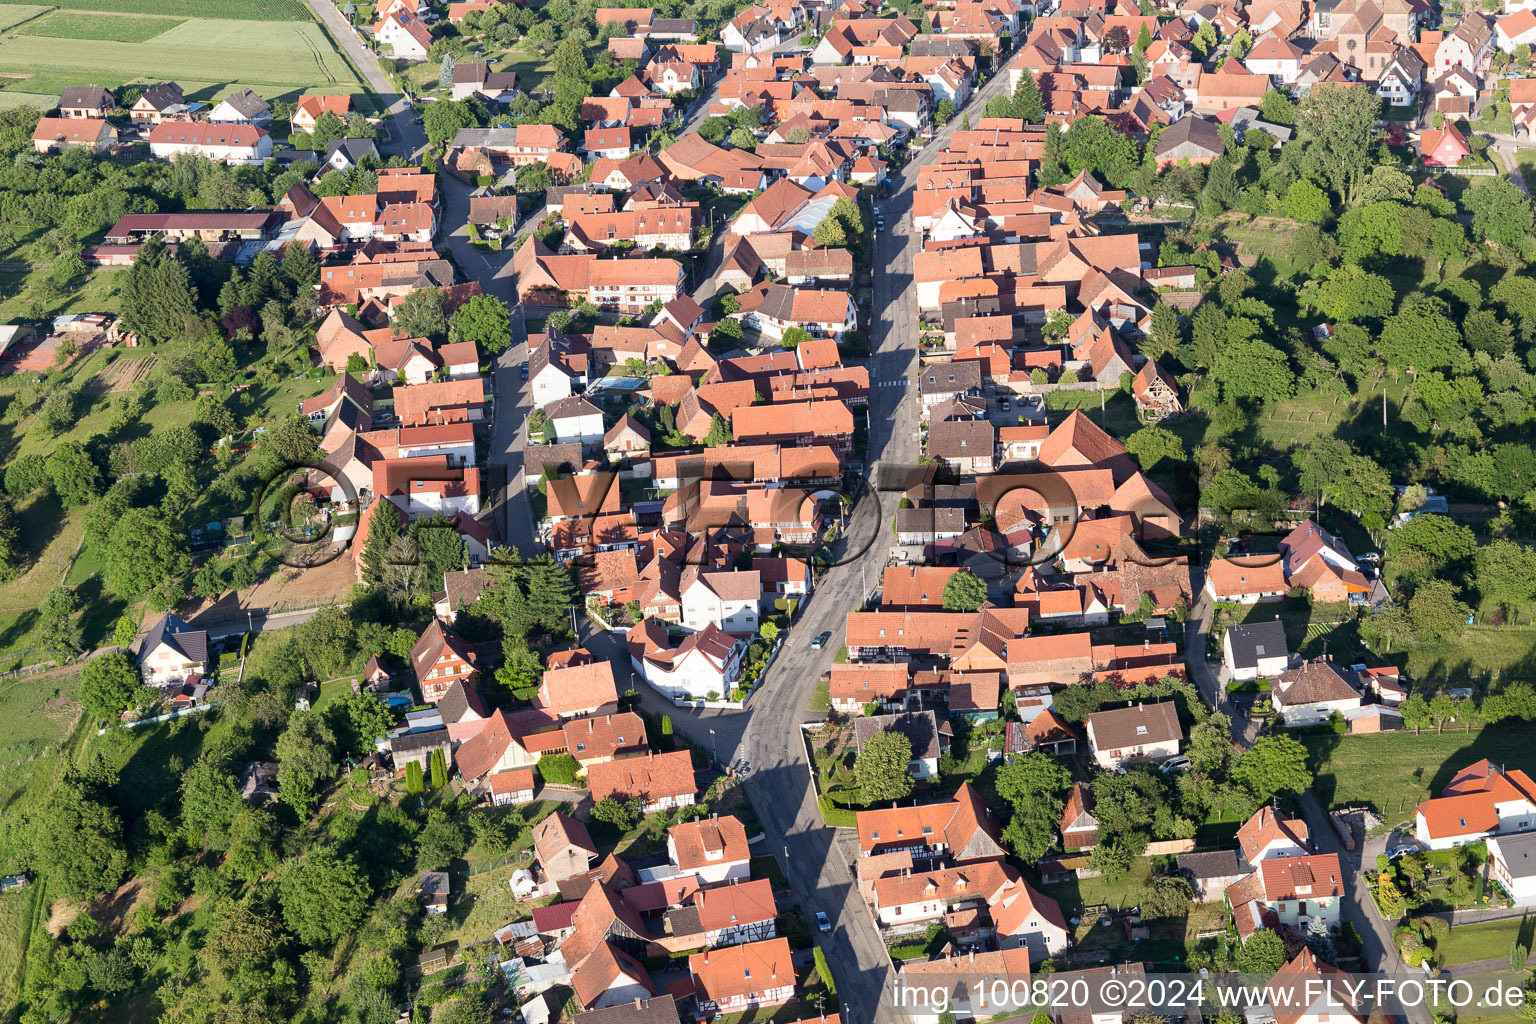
x,y
1486,940
95,25
1394,772
15,14
290,53
247,10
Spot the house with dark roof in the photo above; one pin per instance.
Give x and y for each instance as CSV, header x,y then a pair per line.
x,y
929,738
1191,138
1209,874
172,652
1143,732
243,107
1251,650
1311,693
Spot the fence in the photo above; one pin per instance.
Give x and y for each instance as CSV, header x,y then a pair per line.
x,y
1470,172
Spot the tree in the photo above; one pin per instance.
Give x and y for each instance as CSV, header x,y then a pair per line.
x,y
210,803
420,314
1506,574
1204,39
357,720
324,896
439,770
621,814
445,72
326,642
719,434
1151,445
484,319
1422,336
464,1009
1167,333
829,233
1275,764
305,758
558,769
1027,103
881,768
58,632
1167,896
1253,370
441,120
74,477
79,839
1092,144
1241,43
1263,953
1389,898
964,592
1221,190
1500,211
440,547
1210,749
413,780
1277,108
1351,293
1435,613
108,685
1035,784
383,531
1338,125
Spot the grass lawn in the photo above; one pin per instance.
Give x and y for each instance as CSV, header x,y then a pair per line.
x,y
50,537
36,714
1118,416
96,25
1307,626
1393,772
1170,937
768,867
284,53
821,697
1480,652
24,295
1487,940
14,14
250,10
17,911
332,690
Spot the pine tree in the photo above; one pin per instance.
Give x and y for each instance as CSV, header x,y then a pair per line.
x,y
965,122
445,73
1026,99
413,783
719,432
1221,192
1051,172
383,531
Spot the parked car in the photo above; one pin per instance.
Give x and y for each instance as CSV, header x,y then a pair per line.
x,y
523,370
1175,764
822,924
821,639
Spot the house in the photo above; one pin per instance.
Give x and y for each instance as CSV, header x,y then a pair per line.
x,y
514,787
661,1009
979,985
1145,732
610,977
1443,147
345,154
965,445
727,600
418,747
1300,890
658,781
575,421
86,101
56,134
822,314
1192,138
705,665
1251,650
562,847
443,401
1402,78
242,107
922,730
405,34
172,652
578,690
1025,919
1046,732
440,658
1266,834
1480,800
605,737
714,849
1209,874
475,78
1311,693
912,900
427,485
725,916
1228,580
1513,866
961,828
1469,46
743,977
854,685
221,143
433,888
1155,392
310,108
157,103
940,382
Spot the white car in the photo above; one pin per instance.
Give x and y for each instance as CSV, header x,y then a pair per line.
x,y
1175,764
